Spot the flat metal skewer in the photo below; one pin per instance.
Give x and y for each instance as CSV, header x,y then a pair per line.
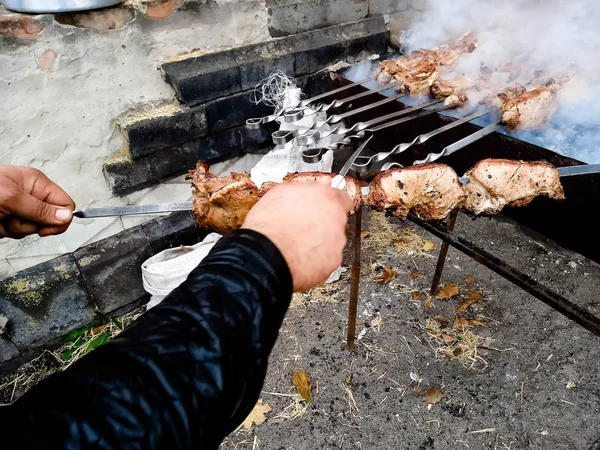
x,y
256,122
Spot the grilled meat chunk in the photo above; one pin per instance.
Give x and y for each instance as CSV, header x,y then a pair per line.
x,y
222,203
530,110
496,183
419,79
504,95
458,85
432,191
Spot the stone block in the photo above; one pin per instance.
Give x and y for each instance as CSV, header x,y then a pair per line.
x,y
158,133
45,302
233,110
174,230
126,176
232,142
112,269
203,78
292,17
8,350
388,6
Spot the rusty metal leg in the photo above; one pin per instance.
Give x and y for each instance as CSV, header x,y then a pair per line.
x,y
353,306
439,268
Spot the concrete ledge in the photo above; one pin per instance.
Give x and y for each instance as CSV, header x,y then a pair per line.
x,y
205,77
47,301
158,133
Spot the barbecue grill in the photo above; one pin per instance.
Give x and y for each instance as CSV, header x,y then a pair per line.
x,y
567,222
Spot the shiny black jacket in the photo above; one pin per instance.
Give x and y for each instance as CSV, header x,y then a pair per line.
x,y
184,375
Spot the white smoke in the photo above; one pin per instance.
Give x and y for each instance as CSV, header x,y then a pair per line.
x,y
519,41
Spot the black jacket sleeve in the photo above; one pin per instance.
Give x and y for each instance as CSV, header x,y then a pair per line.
x,y
184,375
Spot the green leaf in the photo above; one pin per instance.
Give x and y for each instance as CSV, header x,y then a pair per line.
x,y
73,335
97,341
118,323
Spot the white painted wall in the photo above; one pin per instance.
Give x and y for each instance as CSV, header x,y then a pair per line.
x,y
60,121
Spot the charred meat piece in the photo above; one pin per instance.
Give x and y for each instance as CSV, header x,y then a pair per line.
x,y
530,110
419,79
222,203
458,85
432,191
504,95
496,183
352,187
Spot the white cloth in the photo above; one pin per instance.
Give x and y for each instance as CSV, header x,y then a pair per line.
x,y
168,269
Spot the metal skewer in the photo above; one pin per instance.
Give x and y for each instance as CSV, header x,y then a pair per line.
x,y
295,116
282,137
313,136
256,122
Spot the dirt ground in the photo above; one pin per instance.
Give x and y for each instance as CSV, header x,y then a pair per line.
x,y
530,380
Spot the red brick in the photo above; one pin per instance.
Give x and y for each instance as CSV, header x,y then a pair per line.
x,y
159,9
99,20
20,26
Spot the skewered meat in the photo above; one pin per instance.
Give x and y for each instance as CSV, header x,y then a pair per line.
x,y
504,95
444,55
430,190
222,203
496,183
458,85
419,79
529,110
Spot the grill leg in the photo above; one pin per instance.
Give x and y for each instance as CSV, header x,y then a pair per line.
x,y
439,268
353,306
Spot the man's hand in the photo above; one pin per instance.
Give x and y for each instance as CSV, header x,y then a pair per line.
x,y
30,203
307,224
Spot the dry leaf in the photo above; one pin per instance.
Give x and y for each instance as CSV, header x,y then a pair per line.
x,y
417,392
303,383
448,291
460,323
475,323
416,295
469,280
99,329
433,395
447,338
428,246
428,304
441,320
376,321
474,296
348,379
257,415
400,240
364,235
416,274
386,275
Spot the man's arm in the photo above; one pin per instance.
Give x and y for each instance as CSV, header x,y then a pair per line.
x,y
188,371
